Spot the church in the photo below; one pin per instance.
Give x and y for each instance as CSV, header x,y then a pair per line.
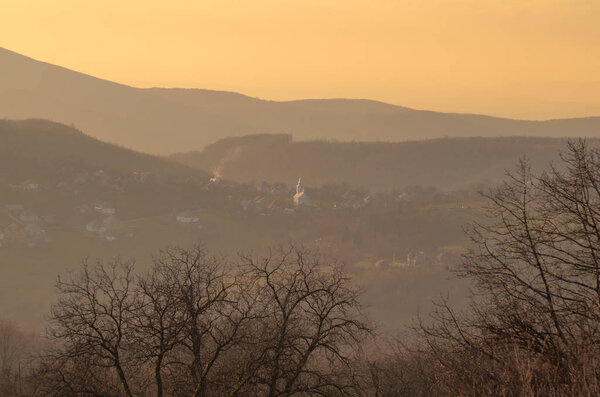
x,y
301,198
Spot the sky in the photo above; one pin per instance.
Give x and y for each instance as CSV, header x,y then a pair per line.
x,y
534,59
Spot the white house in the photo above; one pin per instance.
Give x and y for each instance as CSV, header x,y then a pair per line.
x,y
34,231
30,186
28,217
14,207
187,217
104,208
95,226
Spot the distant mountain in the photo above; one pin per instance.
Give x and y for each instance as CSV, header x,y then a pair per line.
x,y
451,163
42,149
173,120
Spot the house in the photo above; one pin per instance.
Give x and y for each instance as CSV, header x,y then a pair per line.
x,y
14,207
82,209
279,189
397,264
49,218
34,231
95,226
415,258
14,231
140,176
102,176
104,208
112,223
30,186
28,217
256,204
401,197
187,217
82,178
353,200
301,198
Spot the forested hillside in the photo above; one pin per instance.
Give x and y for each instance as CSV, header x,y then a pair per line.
x,y
451,163
41,149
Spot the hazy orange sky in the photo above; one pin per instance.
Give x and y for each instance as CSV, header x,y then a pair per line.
x,y
526,59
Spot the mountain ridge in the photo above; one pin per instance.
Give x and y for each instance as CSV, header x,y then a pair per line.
x,y
169,120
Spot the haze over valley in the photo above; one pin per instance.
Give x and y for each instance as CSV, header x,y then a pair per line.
x,y
381,199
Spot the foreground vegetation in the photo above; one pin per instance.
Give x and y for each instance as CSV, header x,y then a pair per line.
x,y
290,323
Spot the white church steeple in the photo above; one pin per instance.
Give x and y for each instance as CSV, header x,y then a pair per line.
x,y
301,198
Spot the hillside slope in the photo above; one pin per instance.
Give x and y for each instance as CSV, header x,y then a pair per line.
x,y
40,149
164,121
452,163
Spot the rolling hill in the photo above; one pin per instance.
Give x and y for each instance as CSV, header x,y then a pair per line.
x,y
42,149
163,121
449,163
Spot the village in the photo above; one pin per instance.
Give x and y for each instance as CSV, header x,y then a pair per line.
x,y
108,207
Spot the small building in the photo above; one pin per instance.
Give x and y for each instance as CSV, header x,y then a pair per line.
x,y
34,231
95,226
102,176
28,217
30,186
112,223
15,232
82,209
187,217
301,198
104,209
81,178
258,204
353,200
140,176
14,207
415,258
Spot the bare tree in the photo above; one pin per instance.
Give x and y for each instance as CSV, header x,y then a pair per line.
x,y
60,375
16,350
93,317
211,308
535,264
312,324
158,323
197,326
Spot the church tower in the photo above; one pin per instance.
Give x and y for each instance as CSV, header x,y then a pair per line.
x,y
301,198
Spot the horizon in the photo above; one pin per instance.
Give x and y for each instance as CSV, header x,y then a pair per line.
x,y
504,59
294,99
